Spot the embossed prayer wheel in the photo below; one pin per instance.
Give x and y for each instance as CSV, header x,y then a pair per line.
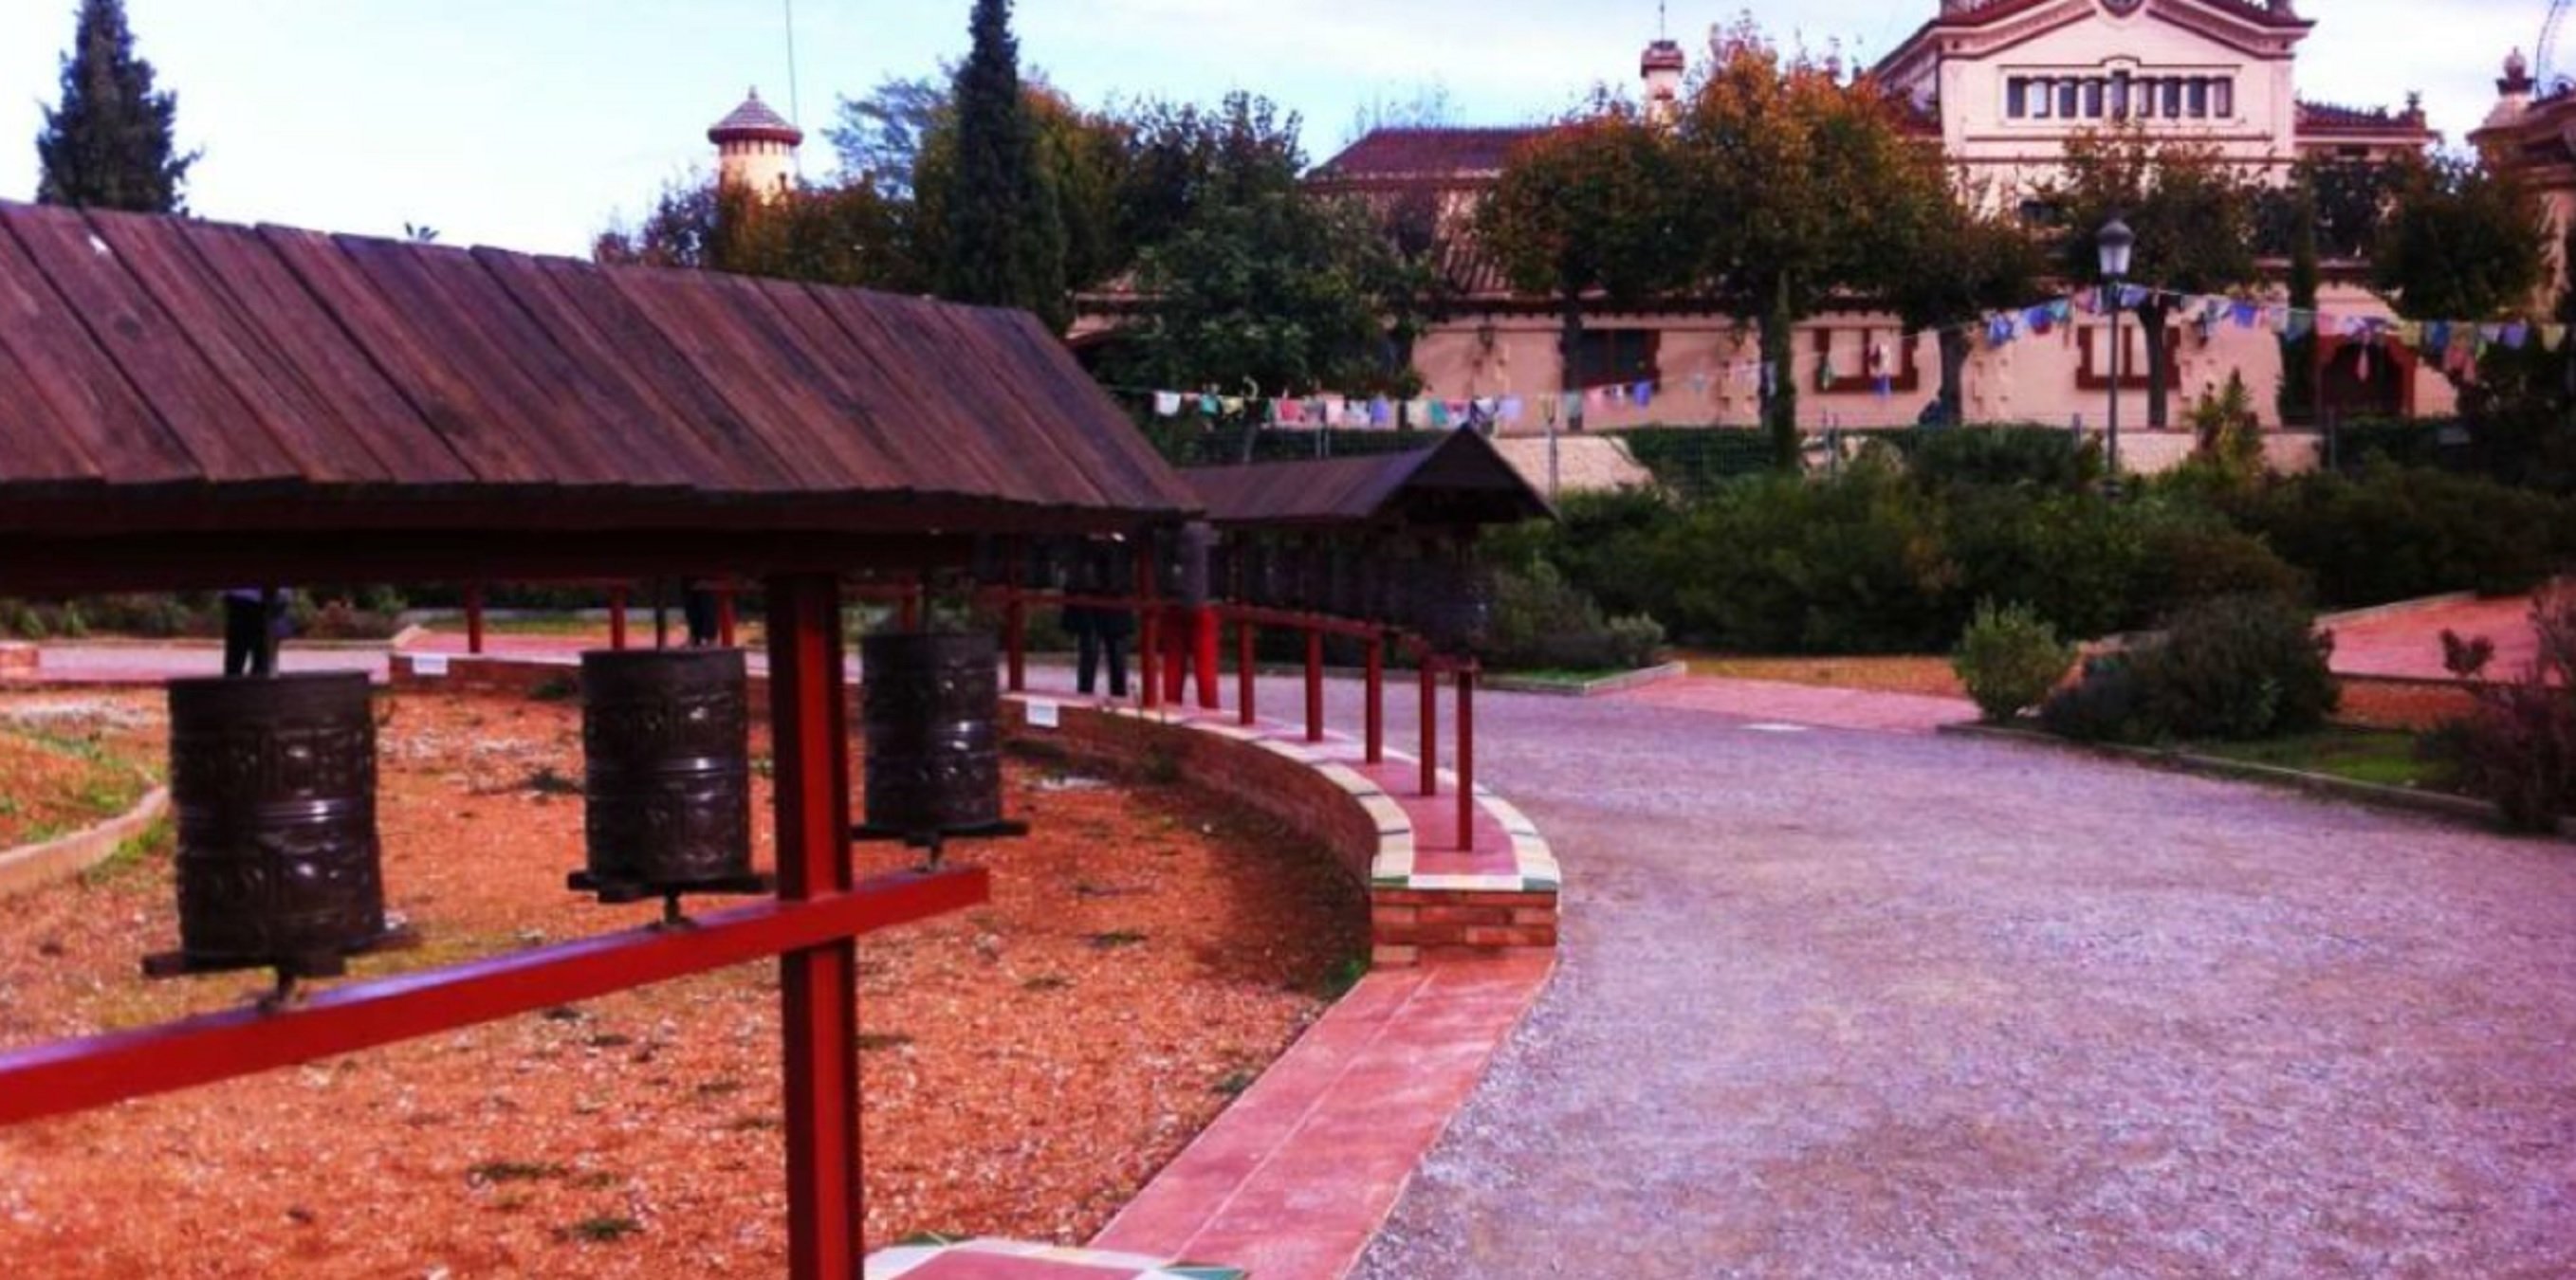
x,y
666,734
928,705
273,780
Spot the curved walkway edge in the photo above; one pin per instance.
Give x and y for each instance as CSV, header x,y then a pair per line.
x,y
29,866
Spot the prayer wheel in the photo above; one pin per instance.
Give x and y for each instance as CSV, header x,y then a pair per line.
x,y
666,734
274,783
928,706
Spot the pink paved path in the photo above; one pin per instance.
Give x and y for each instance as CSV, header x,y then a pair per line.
x,y
1798,704
2407,641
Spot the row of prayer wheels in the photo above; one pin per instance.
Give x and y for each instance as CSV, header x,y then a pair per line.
x,y
274,783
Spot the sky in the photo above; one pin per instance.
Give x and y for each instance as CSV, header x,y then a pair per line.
x,y
536,124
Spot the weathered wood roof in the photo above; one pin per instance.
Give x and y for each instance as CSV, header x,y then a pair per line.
x,y
1461,480
163,374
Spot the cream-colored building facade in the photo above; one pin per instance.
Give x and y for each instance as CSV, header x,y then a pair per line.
x,y
1998,86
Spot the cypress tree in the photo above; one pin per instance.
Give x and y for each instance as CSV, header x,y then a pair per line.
x,y
2298,399
1005,232
109,144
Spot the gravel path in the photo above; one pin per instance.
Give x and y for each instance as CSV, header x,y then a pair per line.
x,y
1848,1004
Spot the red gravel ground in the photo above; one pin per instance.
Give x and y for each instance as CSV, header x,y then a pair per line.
x,y
67,762
1026,1065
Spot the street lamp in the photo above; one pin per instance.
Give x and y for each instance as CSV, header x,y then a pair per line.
x,y
2115,241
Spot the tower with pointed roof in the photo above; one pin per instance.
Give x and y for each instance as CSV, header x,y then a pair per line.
x,y
756,148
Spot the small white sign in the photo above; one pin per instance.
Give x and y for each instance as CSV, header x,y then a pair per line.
x,y
1042,715
429,665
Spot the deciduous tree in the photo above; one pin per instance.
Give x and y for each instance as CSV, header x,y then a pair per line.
x,y
2192,211
2461,242
1964,257
1592,212
108,143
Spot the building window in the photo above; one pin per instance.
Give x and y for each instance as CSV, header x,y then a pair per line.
x,y
2017,97
2170,104
2200,98
2041,96
2093,99
1616,357
2120,95
2066,95
2222,98
2146,102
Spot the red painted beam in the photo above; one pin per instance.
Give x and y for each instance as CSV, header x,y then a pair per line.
x,y
1245,633
1467,755
1314,685
617,617
75,1075
1430,727
474,617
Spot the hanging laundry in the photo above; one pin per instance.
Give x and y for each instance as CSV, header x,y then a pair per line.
x,y
1439,414
1886,386
1510,411
1699,384
2552,336
1642,394
2516,334
2244,314
1167,404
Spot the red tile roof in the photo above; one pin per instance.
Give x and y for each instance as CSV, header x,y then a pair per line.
x,y
1417,154
2327,118
753,121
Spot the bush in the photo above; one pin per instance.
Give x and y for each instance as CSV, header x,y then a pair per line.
x,y
2396,533
2106,705
2518,748
2075,559
2232,668
2035,457
1541,622
1780,564
2191,556
2009,658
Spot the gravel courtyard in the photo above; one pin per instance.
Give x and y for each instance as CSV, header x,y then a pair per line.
x,y
1844,1003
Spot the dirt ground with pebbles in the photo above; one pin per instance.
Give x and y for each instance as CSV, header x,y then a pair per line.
x,y
1853,1004
1026,1065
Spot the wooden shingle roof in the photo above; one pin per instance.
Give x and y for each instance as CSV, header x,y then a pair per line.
x,y
1459,481
162,373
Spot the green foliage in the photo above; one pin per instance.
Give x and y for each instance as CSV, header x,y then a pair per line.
x,y
2075,559
2462,242
2395,533
108,143
1005,238
1963,259
2009,658
1692,461
878,138
2033,457
1779,564
847,235
2226,436
1540,622
2518,748
2234,668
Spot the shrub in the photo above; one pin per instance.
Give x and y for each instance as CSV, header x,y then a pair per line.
x,y
2396,533
2238,667
2191,556
2035,457
2009,658
1781,564
2518,748
1543,622
2075,559
2104,706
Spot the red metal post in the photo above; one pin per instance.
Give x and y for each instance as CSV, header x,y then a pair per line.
x,y
724,614
1430,726
1244,667
1149,630
1314,685
1466,755
1376,712
1015,638
907,608
617,617
474,618
818,986
1204,642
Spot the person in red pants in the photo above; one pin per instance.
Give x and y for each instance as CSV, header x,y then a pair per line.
x,y
1189,623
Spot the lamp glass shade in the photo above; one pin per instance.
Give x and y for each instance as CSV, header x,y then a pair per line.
x,y
2115,242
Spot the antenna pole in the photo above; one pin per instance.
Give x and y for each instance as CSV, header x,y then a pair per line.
x,y
795,101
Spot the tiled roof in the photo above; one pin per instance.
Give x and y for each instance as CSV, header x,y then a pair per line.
x,y
1391,154
753,121
2324,117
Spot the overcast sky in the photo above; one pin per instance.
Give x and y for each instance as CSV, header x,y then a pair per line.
x,y
536,123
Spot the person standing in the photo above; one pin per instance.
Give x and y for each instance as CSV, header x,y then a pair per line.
x,y
698,604
250,631
1099,631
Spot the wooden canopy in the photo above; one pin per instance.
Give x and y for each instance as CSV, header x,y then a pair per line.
x,y
1461,481
185,402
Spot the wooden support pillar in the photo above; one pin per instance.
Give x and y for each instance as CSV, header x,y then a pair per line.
x,y
1149,630
818,986
1467,755
474,618
724,614
1015,615
1245,634
617,617
1430,725
1314,685
1376,696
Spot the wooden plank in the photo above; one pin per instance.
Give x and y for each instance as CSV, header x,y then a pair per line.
x,y
665,406
491,449
1078,403
314,353
35,451
706,321
194,403
505,364
76,392
227,333
933,386
931,461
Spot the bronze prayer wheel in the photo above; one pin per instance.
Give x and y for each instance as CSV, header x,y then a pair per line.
x,y
274,783
928,705
666,734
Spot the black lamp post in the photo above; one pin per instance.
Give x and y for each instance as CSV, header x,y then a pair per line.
x,y
2115,241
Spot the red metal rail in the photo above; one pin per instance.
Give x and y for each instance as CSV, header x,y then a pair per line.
x,y
75,1075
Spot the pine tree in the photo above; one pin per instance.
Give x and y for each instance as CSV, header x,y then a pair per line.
x,y
1005,231
109,144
